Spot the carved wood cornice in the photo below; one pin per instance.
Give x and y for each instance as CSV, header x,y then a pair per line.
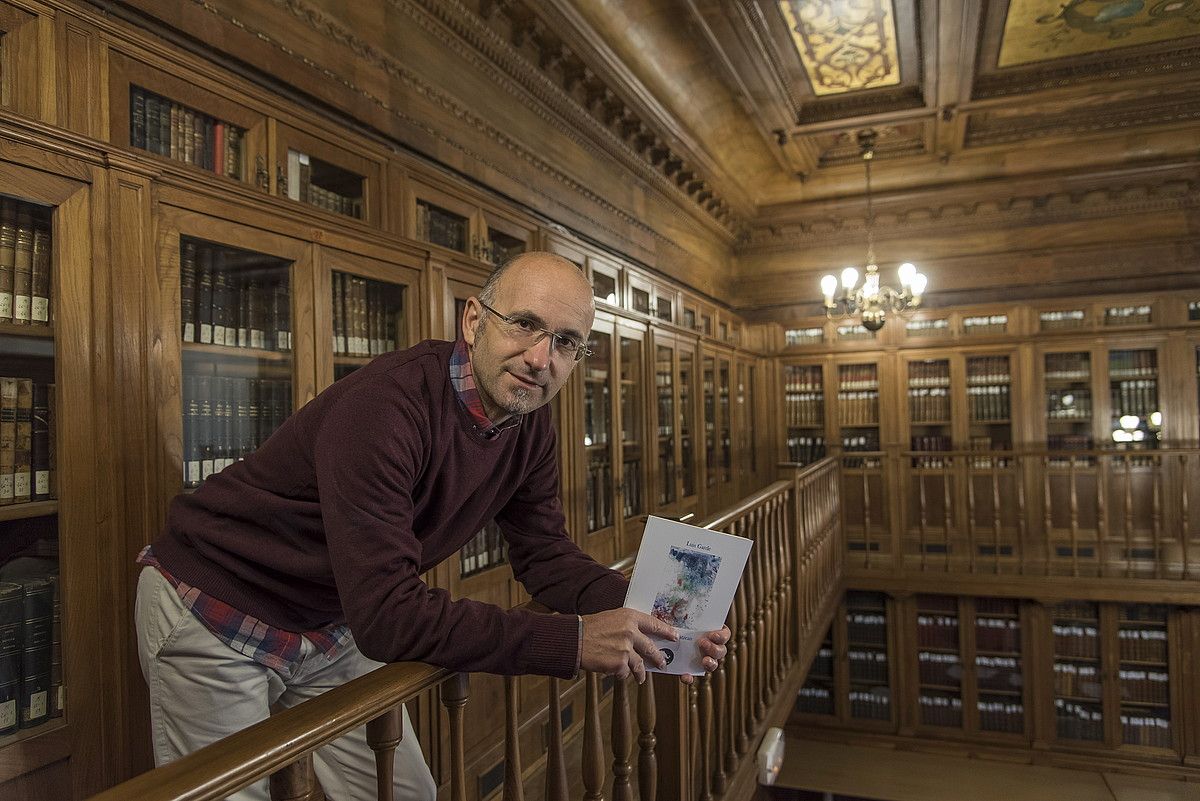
x,y
1022,205
1110,66
983,129
602,124
322,24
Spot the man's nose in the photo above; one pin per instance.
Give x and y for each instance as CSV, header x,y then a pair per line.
x,y
538,354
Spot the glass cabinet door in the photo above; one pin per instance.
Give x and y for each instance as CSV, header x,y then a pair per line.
x,y
237,352
666,432
633,405
725,454
368,315
687,423
709,368
598,431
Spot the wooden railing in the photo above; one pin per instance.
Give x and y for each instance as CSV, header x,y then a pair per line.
x,y
1084,514
693,743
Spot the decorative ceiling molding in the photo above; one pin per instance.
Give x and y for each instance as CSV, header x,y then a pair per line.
x,y
939,212
571,95
1099,70
1017,125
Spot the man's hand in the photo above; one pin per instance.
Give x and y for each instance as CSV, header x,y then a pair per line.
x,y
712,646
617,643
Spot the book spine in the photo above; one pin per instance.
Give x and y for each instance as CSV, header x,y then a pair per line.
x,y
339,333
39,309
23,268
204,424
174,131
282,315
166,142
220,297
8,245
187,291
204,294
153,125
22,461
191,443
36,636
58,695
255,303
12,608
40,443
243,291
137,117
8,437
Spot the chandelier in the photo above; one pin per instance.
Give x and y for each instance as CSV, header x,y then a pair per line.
x,y
871,300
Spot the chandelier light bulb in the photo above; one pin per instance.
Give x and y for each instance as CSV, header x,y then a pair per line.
x,y
849,278
907,273
919,281
1129,421
871,284
829,286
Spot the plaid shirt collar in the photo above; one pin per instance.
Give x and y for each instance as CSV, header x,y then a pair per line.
x,y
462,378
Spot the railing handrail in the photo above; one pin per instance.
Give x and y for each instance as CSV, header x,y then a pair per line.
x,y
236,761
722,518
1022,451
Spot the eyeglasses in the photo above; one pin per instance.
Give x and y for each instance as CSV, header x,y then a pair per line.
x,y
524,331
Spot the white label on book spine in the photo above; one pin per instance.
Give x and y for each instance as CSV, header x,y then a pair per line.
x,y
243,337
206,334
37,705
256,339
8,715
62,698
21,308
21,484
6,305
41,310
218,335
282,341
206,469
193,471
339,344
189,332
6,487
41,482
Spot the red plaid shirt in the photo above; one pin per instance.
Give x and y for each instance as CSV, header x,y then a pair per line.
x,y
274,647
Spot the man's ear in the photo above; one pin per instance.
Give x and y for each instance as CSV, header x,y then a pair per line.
x,y
472,316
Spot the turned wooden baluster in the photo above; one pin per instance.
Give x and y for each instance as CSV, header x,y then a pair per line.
x,y
514,786
622,742
706,738
556,764
593,745
647,741
454,693
732,669
294,782
924,519
763,622
383,735
970,518
720,727
1021,530
693,718
1074,508
1128,514
996,520
1156,515
947,510
1184,520
745,624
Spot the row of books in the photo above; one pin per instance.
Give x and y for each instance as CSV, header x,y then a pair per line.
x,y
1135,397
1076,640
1127,315
632,496
940,710
224,300
815,699
998,672
803,379
1143,645
366,316
866,627
225,419
1140,728
31,680
1069,318
872,704
853,377
929,374
166,128
1068,442
441,227
928,405
800,336
1132,363
666,474
931,442
1145,686
486,549
28,426
805,449
1068,366
854,333
1069,404
858,408
300,186
1078,721
937,631
988,370
928,328
822,664
1003,716
24,265
599,495
804,409
995,634
986,404
1081,679
990,324
863,441
938,668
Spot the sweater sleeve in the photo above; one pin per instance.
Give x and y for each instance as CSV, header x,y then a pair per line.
x,y
369,452
553,569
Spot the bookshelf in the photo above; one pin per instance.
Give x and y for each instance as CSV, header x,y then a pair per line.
x,y
1135,413
341,179
1067,382
1078,671
923,328
867,658
989,407
640,291
666,304
689,468
939,662
235,311
632,489
598,432
675,471
725,427
607,281
858,412
999,666
817,694
804,412
1144,675
930,411
708,396
666,434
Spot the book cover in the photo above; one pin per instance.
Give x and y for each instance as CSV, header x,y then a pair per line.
x,y
22,268
40,443
8,437
187,290
39,309
22,456
686,577
57,688
12,607
36,636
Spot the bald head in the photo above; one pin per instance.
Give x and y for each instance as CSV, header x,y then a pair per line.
x,y
532,268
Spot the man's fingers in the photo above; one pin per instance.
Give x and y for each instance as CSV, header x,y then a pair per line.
x,y
656,628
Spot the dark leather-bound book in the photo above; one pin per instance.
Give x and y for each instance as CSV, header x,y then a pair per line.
x,y
39,309
40,443
137,117
187,290
22,449
36,636
12,606
23,268
8,437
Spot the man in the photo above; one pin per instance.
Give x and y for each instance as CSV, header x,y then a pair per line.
x,y
298,568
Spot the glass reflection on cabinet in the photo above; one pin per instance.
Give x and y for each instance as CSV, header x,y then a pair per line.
x,y
687,450
664,385
632,405
726,467
710,422
597,397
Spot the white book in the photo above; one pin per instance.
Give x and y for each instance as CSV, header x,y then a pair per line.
x,y
686,576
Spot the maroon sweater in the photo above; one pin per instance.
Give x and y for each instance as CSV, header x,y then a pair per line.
x,y
377,480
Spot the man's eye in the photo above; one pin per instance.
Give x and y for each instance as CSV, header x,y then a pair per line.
x,y
525,325
567,344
